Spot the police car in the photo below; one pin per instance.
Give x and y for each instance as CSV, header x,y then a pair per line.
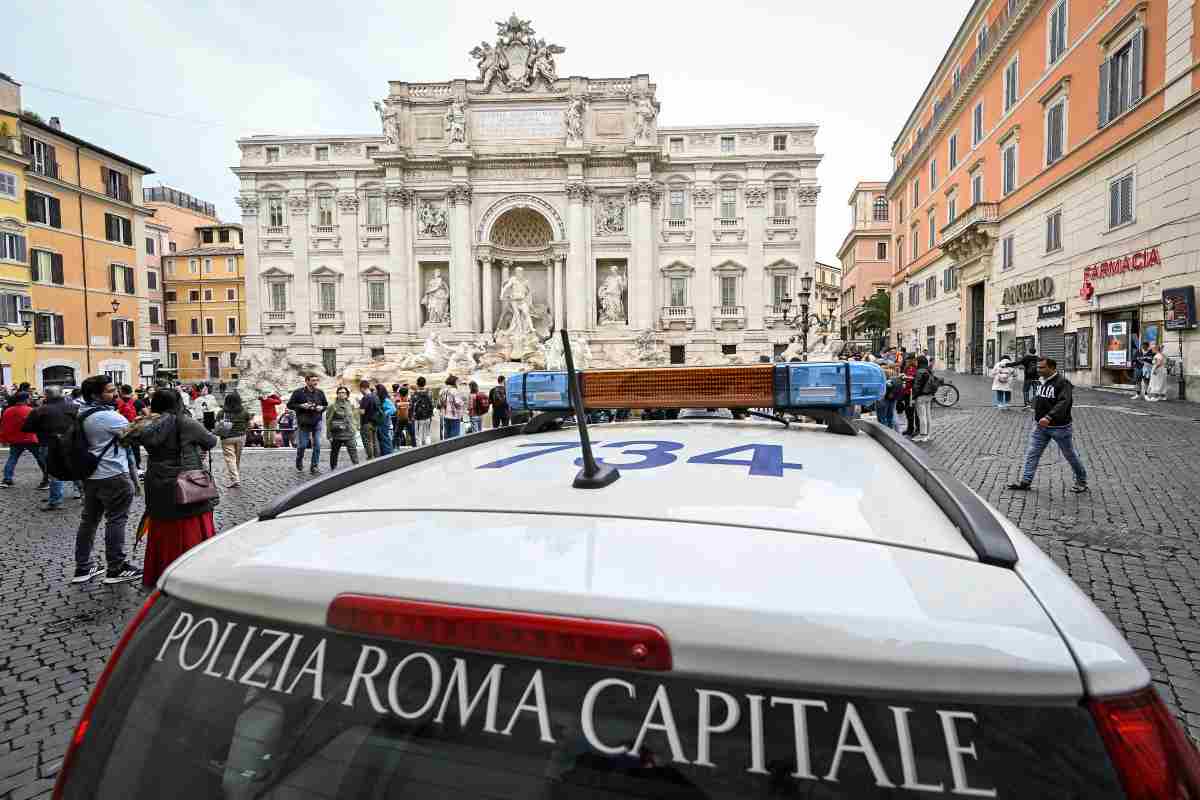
x,y
700,608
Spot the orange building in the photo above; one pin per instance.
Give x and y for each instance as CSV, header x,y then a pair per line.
x,y
865,253
1056,136
85,234
204,288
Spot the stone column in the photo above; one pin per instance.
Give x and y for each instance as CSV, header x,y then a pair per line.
x,y
752,282
400,264
252,287
641,282
489,324
576,311
301,283
464,296
352,300
702,219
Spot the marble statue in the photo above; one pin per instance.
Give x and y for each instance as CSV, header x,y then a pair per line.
x,y
431,221
645,350
436,300
456,122
493,65
573,118
646,112
519,296
463,359
389,119
828,348
435,353
612,303
611,217
539,63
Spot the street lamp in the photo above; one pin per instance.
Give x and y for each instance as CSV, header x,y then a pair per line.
x,y
26,315
802,319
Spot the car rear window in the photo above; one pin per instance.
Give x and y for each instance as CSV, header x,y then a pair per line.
x,y
208,704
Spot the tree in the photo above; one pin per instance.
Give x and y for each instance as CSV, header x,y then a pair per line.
x,y
876,316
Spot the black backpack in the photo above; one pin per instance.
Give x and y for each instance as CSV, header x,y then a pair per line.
x,y
422,406
69,456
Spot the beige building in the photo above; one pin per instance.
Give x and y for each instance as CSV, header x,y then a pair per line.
x,y
865,253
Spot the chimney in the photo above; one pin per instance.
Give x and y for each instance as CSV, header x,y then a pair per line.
x,y
54,123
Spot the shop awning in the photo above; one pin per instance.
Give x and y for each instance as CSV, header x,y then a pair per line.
x,y
1050,322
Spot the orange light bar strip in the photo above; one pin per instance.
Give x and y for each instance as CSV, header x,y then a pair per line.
x,y
680,387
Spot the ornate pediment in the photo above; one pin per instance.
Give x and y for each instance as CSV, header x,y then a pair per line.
x,y
518,61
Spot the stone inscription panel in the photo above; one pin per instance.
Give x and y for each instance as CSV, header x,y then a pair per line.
x,y
518,123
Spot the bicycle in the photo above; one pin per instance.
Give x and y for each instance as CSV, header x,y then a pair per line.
x,y
946,394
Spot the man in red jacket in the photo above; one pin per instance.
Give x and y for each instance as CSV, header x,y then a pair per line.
x,y
11,434
270,414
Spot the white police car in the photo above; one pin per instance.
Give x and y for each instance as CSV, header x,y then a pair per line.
x,y
750,610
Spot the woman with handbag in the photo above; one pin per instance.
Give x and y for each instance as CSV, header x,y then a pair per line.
x,y
180,492
231,430
341,427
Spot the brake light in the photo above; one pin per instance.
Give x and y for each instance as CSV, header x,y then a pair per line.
x,y
1148,747
85,719
588,641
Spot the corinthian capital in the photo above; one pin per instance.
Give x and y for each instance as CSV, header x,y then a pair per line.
x,y
399,197
298,203
642,190
348,203
248,203
578,190
460,194
807,195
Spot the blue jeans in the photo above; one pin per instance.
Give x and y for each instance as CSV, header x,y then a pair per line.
x,y
1038,441
1028,388
885,413
383,433
309,439
14,454
1003,397
453,427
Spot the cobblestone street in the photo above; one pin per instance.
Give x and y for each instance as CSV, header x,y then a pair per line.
x,y
1132,544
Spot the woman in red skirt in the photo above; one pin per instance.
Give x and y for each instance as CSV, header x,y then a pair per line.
x,y
174,442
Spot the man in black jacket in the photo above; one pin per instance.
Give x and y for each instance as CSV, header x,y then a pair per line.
x,y
309,403
1052,410
53,417
368,405
1030,363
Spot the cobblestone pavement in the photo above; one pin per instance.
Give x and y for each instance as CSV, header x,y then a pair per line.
x,y
1132,544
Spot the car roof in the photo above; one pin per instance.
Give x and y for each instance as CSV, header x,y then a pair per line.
x,y
845,487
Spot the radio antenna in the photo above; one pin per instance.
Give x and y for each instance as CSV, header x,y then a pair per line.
x,y
593,475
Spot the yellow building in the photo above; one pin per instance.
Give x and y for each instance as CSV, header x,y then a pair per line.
x,y
16,340
204,294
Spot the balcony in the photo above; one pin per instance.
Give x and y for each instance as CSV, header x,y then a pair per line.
x,y
276,230
726,227
325,237
377,321
279,319
328,321
773,314
973,233
118,193
325,230
677,228
372,236
726,316
781,227
678,317
47,168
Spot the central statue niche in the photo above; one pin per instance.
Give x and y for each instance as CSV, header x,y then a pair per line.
x,y
525,317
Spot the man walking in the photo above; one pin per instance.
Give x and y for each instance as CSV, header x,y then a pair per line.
x,y
309,403
421,410
53,417
107,492
19,441
498,397
1052,410
1030,364
369,406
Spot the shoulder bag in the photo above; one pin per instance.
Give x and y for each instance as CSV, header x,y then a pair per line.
x,y
193,485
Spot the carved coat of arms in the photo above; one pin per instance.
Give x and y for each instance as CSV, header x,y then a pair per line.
x,y
518,60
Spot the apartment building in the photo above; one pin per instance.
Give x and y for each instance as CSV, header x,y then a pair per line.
x,y
85,231
1044,188
865,254
157,241
204,293
16,340
827,283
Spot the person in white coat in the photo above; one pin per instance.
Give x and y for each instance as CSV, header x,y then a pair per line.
x,y
1158,375
1002,381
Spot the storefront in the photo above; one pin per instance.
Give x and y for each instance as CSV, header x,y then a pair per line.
x,y
1051,340
1128,315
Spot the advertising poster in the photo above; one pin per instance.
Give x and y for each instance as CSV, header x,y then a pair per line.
x,y
1071,351
991,353
1151,333
1083,348
1179,308
1116,344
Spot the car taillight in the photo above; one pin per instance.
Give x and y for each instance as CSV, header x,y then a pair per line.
x,y
1148,747
85,719
588,641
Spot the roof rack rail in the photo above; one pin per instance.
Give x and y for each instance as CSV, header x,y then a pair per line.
x,y
978,525
336,481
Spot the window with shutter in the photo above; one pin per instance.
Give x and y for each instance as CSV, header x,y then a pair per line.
x,y
1055,131
117,330
112,277
129,281
56,269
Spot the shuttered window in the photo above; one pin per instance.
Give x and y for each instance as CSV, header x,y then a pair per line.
x,y
48,329
1120,201
1006,252
122,333
1058,31
12,247
1122,81
1055,131
121,279
118,229
376,296
1010,169
1054,231
278,296
43,209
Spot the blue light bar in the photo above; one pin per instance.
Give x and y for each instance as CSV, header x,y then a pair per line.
x,y
538,391
836,384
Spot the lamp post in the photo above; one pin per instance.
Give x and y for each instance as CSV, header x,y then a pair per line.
x,y
802,319
26,315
